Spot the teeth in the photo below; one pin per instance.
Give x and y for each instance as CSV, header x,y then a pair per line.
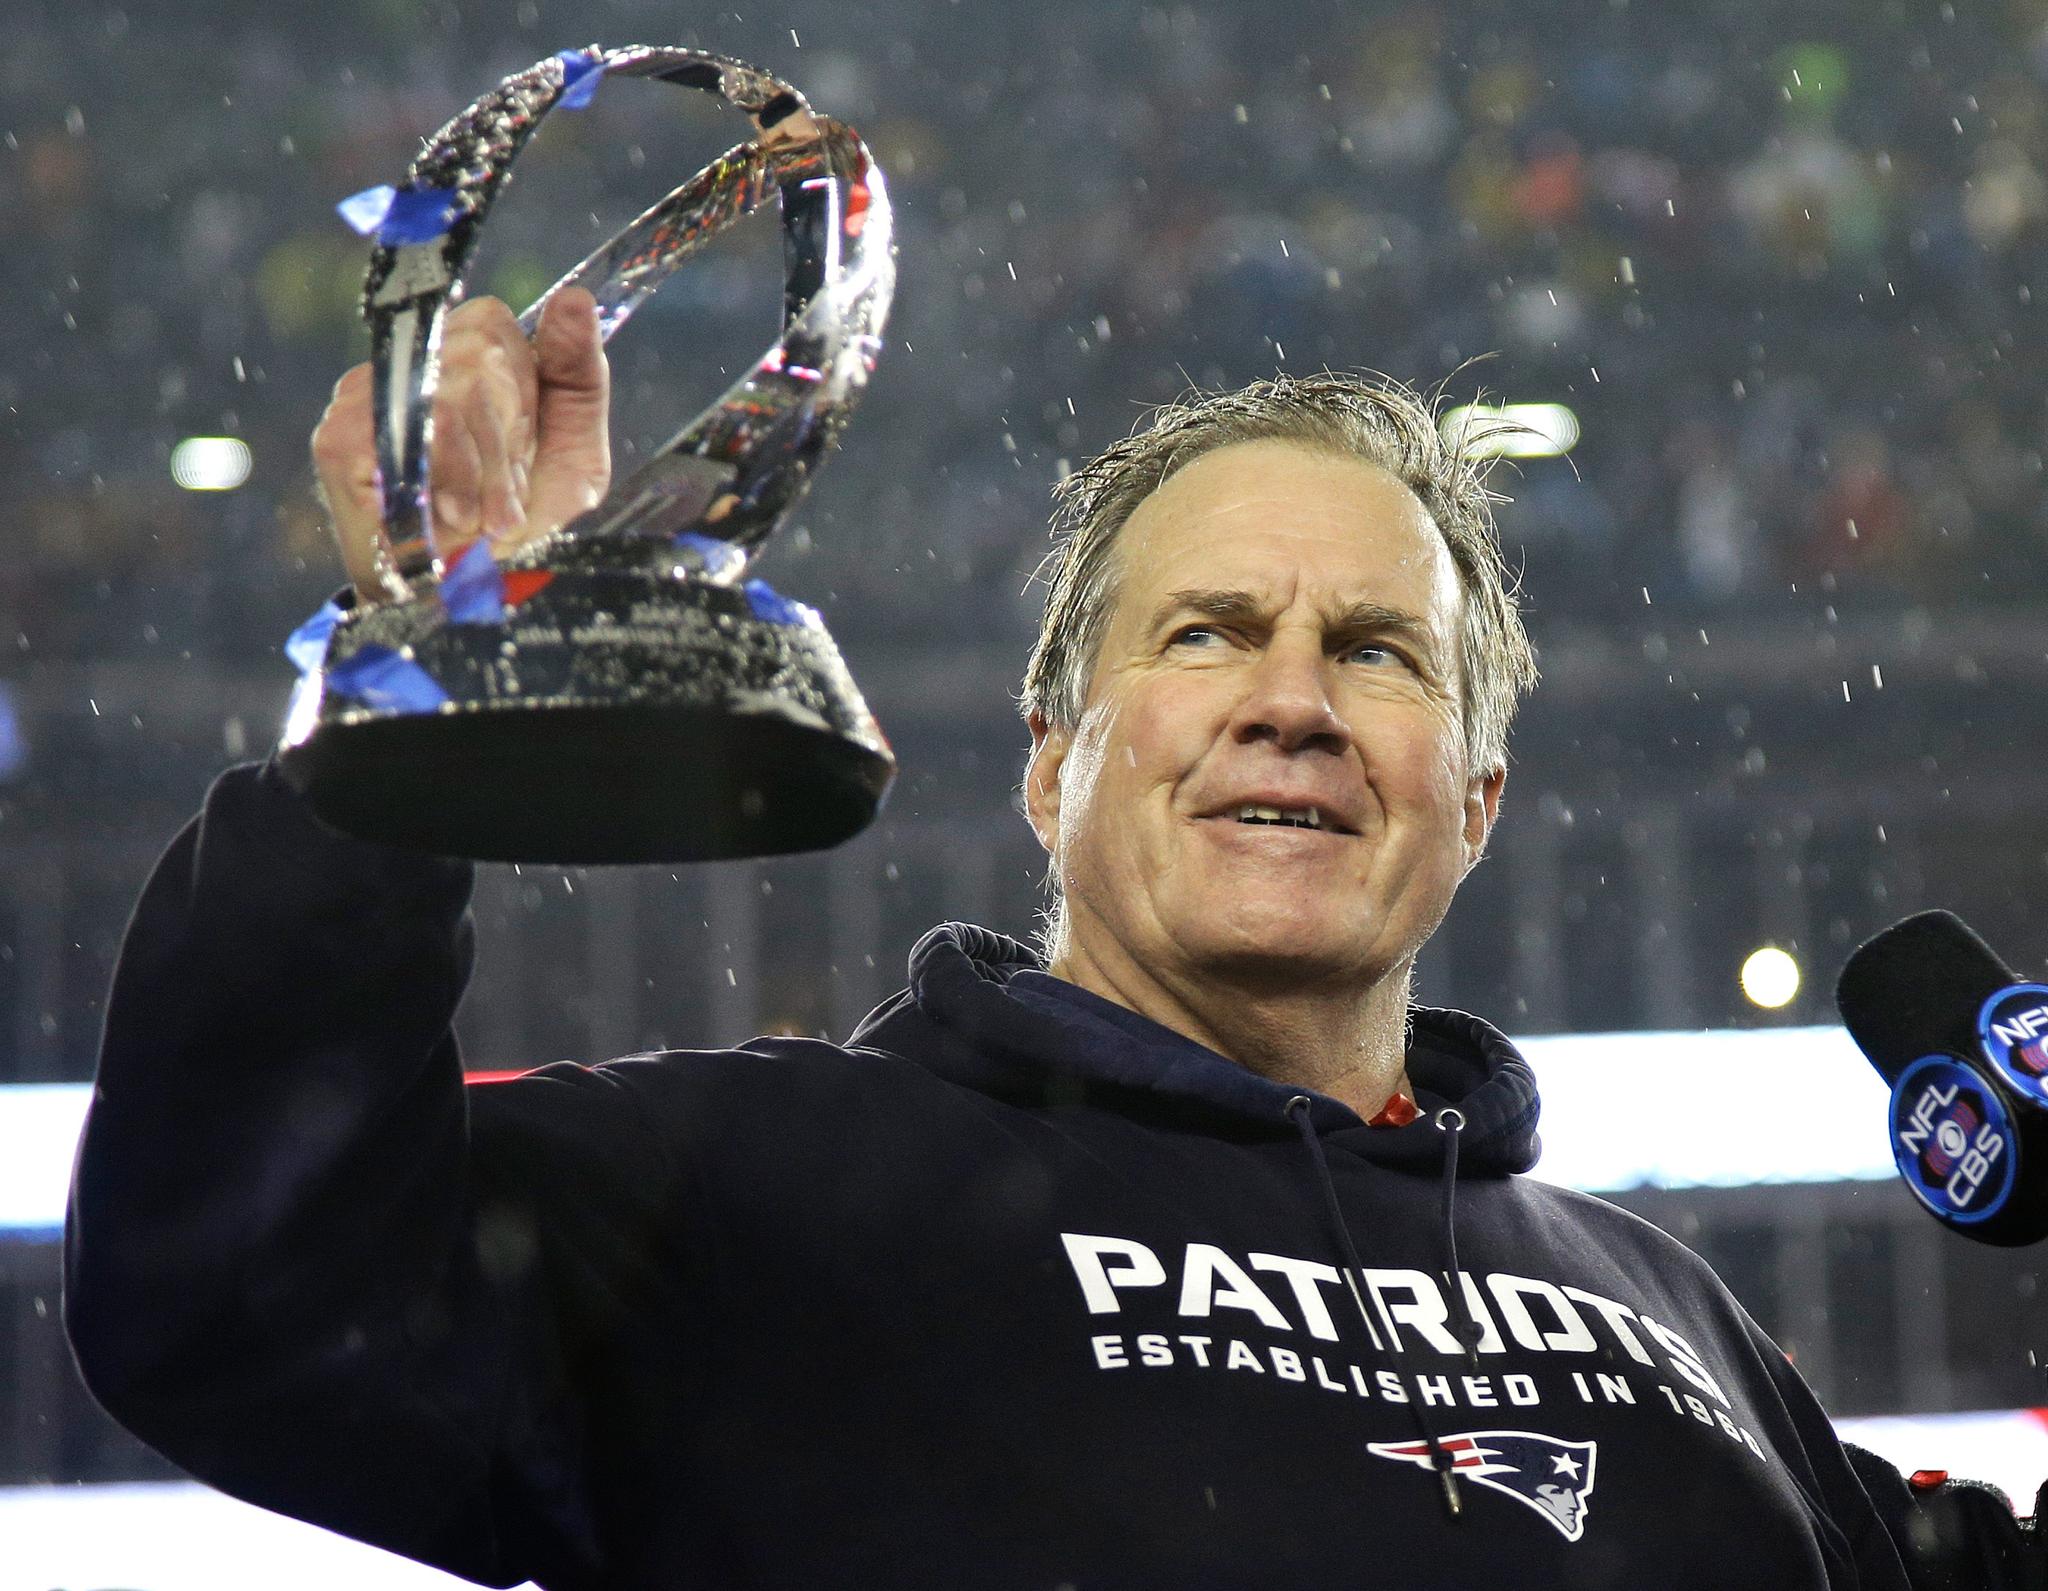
x,y
1308,817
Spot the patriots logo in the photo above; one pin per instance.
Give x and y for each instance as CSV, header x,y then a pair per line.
x,y
2032,1056
1555,1478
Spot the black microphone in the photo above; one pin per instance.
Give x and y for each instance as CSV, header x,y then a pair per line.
x,y
1963,1041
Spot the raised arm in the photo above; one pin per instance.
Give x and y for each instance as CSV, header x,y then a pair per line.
x,y
301,1260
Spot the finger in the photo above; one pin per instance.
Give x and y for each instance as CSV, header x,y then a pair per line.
x,y
455,479
486,317
496,426
490,376
572,448
345,464
481,325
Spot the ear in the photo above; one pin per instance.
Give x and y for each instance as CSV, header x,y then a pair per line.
x,y
1049,746
1482,807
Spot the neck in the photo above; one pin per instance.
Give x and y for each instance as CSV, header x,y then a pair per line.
x,y
1347,1042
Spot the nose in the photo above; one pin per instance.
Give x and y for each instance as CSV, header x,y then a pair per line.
x,y
1286,700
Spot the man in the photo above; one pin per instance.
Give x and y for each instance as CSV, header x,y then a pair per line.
x,y
1194,1257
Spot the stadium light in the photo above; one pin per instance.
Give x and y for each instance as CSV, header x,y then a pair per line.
x,y
1770,978
210,463
1511,430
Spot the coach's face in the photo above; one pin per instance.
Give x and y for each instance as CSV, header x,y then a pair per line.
x,y
1268,780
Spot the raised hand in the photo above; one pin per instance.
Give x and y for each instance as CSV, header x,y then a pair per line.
x,y
520,438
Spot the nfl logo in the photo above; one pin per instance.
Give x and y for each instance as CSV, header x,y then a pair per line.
x,y
1952,1135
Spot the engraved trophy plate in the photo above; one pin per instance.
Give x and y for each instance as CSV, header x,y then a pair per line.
x,y
616,691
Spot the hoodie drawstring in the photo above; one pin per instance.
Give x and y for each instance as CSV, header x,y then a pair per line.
x,y
1440,1459
1450,1121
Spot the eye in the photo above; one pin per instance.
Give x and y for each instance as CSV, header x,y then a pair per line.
x,y
1196,635
1368,648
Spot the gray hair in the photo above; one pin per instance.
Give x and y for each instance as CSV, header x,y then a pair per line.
x,y
1371,417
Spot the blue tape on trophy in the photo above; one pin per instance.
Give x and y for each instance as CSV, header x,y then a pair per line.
x,y
401,215
582,71
377,676
302,712
365,211
472,588
772,605
307,645
419,215
716,556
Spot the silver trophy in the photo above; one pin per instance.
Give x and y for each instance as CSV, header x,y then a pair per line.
x,y
619,690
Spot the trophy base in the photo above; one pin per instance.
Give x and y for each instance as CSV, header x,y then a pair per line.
x,y
646,783
699,731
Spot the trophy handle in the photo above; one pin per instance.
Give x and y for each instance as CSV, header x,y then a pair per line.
x,y
714,493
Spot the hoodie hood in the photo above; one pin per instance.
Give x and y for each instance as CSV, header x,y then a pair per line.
x,y
981,1011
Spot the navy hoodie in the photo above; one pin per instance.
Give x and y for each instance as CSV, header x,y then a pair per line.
x,y
1015,1288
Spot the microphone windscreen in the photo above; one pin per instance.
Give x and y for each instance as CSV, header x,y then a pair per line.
x,y
1917,987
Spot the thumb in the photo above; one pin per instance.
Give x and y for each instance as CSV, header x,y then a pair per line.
x,y
572,458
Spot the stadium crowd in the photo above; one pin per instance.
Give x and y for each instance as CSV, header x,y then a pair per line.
x,y
1784,278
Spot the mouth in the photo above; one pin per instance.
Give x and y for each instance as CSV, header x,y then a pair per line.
x,y
1260,814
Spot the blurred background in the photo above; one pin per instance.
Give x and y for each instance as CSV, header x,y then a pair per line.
x,y
1789,589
